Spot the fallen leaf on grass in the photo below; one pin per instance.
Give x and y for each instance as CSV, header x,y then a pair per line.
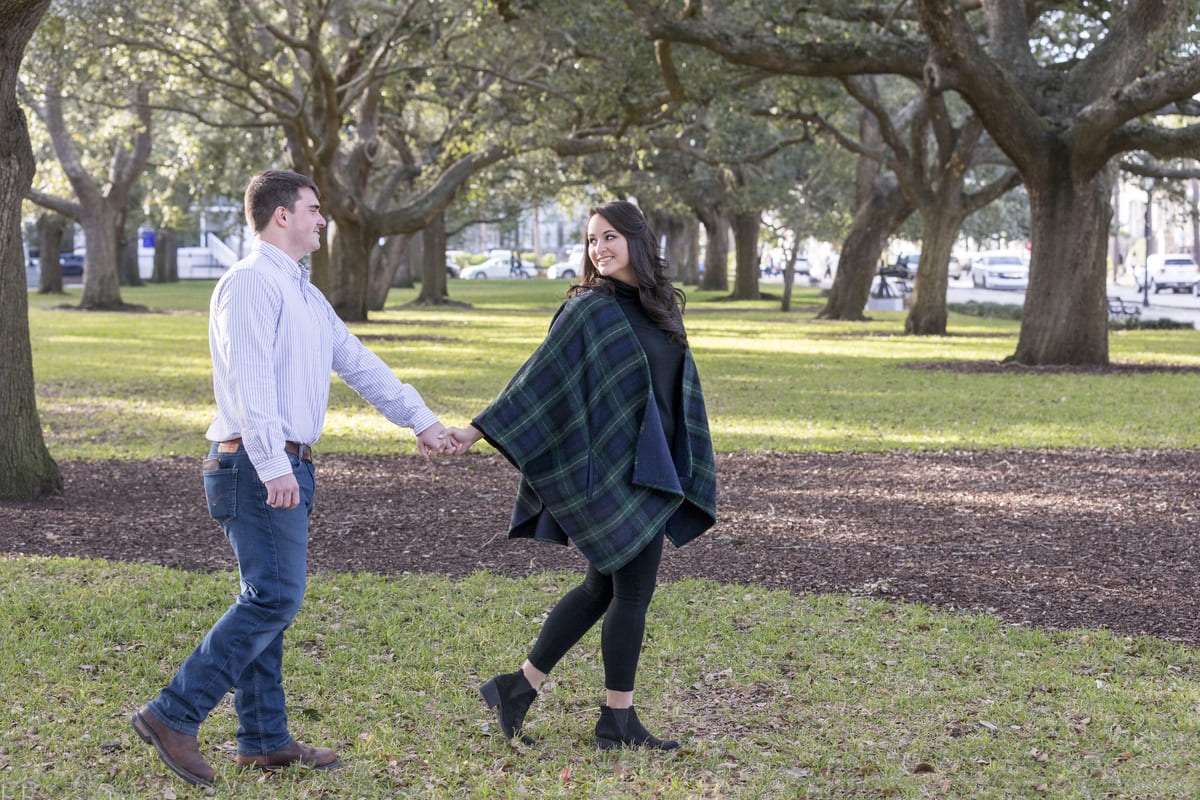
x,y
924,766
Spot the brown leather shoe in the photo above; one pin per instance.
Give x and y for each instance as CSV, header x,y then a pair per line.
x,y
294,753
177,750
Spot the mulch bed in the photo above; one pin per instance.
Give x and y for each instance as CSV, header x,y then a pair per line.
x,y
1060,539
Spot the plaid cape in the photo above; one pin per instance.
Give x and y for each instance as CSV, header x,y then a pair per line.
x,y
580,422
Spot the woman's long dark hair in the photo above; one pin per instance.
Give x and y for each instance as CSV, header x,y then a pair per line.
x,y
662,301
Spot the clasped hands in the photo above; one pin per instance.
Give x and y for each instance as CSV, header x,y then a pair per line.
x,y
437,440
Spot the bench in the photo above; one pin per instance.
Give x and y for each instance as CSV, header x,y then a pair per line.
x,y
1120,311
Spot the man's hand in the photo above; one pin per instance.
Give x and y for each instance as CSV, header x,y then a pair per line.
x,y
432,441
283,492
459,440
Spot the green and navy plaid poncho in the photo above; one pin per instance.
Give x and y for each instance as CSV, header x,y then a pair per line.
x,y
580,422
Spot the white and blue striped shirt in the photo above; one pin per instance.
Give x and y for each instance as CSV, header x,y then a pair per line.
x,y
275,340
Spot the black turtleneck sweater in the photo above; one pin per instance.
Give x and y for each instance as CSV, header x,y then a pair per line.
x,y
664,354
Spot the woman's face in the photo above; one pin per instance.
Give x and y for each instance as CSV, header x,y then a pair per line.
x,y
609,250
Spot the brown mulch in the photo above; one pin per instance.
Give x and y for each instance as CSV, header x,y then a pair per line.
x,y
1060,539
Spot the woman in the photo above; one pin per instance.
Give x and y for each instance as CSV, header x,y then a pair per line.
x,y
607,425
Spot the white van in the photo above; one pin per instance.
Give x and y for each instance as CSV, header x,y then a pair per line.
x,y
1175,271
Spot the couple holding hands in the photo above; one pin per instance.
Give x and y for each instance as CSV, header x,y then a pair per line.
x,y
605,422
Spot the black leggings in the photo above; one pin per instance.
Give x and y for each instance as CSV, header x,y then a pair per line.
x,y
622,599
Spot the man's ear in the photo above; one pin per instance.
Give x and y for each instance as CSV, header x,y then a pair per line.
x,y
281,216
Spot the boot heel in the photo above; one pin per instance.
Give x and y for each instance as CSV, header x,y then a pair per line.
x,y
491,694
607,744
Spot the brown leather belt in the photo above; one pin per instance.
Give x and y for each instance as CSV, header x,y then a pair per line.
x,y
300,451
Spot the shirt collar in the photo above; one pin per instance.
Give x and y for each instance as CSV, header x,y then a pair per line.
x,y
281,260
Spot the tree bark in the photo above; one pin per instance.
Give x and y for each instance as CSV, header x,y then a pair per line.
x,y
50,230
101,286
26,468
746,226
1065,318
716,257
433,263
129,271
927,315
385,267
670,227
350,247
166,256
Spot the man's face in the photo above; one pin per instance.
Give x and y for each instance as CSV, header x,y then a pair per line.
x,y
304,224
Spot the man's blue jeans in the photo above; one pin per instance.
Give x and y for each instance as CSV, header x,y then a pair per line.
x,y
244,649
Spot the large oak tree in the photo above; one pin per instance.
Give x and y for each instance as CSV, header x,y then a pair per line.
x,y
1063,88
1063,112
26,468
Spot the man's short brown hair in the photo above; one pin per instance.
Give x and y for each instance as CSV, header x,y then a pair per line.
x,y
271,189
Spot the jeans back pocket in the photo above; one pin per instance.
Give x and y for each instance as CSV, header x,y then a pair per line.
x,y
220,489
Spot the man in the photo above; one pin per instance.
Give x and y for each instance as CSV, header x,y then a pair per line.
x,y
274,340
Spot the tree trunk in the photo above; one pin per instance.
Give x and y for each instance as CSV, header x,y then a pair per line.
x,y
927,315
789,271
129,271
166,256
26,468
716,257
689,271
385,266
50,230
320,271
670,228
873,223
409,266
350,248
433,262
1065,319
101,289
746,226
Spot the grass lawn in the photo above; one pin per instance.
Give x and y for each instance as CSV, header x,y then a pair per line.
x,y
774,695
138,385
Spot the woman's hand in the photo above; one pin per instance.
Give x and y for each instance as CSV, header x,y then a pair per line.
x,y
459,440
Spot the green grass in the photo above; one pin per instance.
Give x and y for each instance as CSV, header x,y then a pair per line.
x,y
138,385
772,695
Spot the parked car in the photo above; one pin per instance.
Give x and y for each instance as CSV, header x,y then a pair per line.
x,y
563,269
1175,271
72,264
452,270
996,269
499,266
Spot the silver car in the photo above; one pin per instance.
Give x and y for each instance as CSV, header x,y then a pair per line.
x,y
999,270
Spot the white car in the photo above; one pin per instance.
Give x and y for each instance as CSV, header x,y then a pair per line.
x,y
996,269
498,267
563,269
1175,271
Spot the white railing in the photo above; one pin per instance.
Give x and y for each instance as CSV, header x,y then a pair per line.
x,y
224,255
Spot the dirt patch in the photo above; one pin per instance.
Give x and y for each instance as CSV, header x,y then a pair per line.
x,y
1059,539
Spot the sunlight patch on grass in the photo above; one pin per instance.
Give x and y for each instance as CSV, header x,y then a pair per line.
x,y
772,381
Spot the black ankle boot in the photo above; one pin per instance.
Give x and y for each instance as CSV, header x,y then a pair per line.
x,y
621,726
511,695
